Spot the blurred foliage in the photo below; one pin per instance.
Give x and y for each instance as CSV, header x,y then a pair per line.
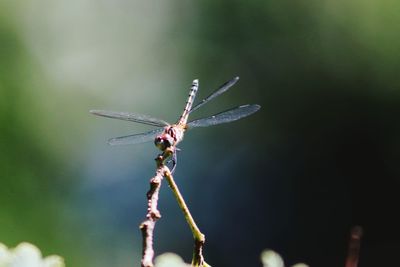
x,y
31,191
270,258
27,255
22,160
170,260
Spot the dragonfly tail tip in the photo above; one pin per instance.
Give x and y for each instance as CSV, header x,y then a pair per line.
x,y
94,111
111,141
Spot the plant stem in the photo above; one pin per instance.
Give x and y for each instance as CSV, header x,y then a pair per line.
x,y
153,214
182,204
199,238
354,247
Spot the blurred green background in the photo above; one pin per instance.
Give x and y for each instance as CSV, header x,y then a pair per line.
x,y
320,156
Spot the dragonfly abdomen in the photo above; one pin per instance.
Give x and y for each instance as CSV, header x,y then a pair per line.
x,y
189,102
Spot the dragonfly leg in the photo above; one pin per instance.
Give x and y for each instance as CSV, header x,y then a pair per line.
x,y
174,159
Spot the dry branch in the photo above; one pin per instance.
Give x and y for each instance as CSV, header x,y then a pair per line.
x,y
354,247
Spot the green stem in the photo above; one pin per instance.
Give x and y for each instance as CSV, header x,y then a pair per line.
x,y
198,236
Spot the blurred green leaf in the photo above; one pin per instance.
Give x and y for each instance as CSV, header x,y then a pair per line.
x,y
270,258
170,260
27,255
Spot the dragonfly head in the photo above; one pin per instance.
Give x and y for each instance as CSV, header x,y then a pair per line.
x,y
164,141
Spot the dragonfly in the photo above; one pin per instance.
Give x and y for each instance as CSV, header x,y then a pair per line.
x,y
166,135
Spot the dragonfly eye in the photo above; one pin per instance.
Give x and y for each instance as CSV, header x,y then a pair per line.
x,y
163,141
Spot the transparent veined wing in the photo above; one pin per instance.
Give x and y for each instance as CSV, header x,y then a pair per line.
x,y
128,116
136,138
225,117
222,89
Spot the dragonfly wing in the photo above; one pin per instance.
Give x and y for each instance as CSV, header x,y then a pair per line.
x,y
222,89
136,138
127,116
225,117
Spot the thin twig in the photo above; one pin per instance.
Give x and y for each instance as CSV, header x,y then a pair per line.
x,y
354,247
199,238
153,214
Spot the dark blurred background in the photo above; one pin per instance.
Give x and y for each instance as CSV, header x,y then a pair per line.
x,y
320,156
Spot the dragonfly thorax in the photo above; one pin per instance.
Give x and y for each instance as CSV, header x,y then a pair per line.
x,y
170,137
